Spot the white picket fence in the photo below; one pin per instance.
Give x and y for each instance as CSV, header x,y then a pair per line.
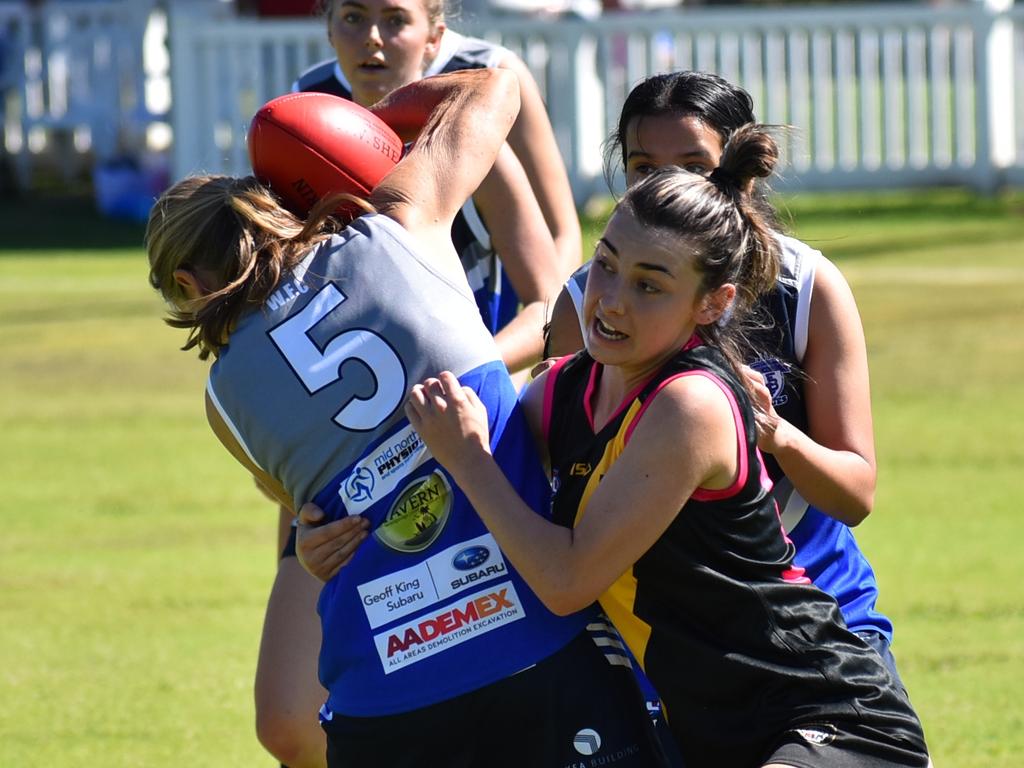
x,y
880,95
72,81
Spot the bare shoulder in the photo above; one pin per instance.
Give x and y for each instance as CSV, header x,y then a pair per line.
x,y
688,406
832,293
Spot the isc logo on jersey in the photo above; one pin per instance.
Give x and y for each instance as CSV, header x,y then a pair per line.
x,y
449,626
418,515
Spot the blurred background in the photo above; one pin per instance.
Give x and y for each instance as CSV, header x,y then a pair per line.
x,y
129,96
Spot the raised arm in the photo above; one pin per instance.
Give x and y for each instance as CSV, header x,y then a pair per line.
x,y
465,117
533,140
519,235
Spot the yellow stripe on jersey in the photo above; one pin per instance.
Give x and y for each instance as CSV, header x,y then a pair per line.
x,y
618,600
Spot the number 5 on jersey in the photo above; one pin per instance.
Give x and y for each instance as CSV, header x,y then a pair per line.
x,y
317,368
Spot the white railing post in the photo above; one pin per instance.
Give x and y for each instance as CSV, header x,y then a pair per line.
x,y
996,113
184,17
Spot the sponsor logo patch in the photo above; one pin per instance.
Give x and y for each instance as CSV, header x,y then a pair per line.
x,y
818,735
580,469
383,470
468,564
359,485
418,515
587,741
448,626
471,557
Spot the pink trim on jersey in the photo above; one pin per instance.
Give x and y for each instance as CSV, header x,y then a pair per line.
x,y
549,394
694,341
794,573
591,388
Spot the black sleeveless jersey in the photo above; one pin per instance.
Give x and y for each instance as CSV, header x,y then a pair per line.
x,y
739,645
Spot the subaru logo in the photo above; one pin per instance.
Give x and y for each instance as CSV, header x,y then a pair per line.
x,y
471,557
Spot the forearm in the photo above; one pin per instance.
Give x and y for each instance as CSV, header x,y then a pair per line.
x,y
839,483
521,342
554,195
412,108
533,140
540,550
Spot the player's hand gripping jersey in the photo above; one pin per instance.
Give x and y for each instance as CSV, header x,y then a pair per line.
x,y
312,384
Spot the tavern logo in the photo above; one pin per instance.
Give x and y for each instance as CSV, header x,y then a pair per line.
x,y
418,515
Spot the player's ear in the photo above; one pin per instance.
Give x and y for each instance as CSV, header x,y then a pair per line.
x,y
434,43
190,284
715,304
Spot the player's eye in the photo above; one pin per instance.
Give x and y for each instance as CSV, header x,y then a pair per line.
x,y
646,287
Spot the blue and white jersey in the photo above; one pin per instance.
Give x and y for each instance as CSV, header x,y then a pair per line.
x,y
825,547
494,294
312,385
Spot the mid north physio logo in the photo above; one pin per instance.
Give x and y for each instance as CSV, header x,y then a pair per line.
x,y
383,470
359,486
448,626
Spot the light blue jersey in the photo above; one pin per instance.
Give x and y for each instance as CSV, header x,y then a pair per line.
x,y
312,385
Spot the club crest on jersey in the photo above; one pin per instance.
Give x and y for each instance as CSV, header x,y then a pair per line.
x,y
774,372
418,515
359,485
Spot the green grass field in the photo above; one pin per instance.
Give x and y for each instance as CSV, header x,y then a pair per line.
x,y
136,556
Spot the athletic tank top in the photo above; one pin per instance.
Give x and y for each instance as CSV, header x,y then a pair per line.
x,y
825,547
494,294
739,644
312,384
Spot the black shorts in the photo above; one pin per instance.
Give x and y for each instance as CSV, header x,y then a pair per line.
x,y
844,745
572,710
880,644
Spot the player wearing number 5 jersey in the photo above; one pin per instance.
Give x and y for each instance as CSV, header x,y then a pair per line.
x,y
317,337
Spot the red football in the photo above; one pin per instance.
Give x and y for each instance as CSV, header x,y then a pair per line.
x,y
307,145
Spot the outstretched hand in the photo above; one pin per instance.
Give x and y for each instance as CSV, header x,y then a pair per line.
x,y
765,417
451,420
324,548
